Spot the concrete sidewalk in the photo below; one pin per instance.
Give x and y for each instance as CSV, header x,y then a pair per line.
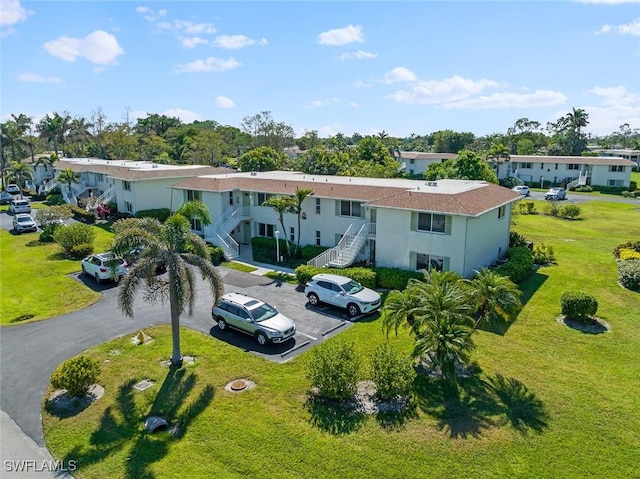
x,y
23,458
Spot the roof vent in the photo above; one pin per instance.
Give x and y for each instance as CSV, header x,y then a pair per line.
x,y
432,183
253,173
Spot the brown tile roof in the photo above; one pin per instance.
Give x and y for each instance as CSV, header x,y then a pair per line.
x,y
474,201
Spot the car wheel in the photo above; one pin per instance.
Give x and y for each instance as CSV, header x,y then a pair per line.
x,y
84,270
262,338
222,324
353,309
313,299
97,278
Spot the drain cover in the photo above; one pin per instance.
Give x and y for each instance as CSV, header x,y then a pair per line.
x,y
142,385
238,385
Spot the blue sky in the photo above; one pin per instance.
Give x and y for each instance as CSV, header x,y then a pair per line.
x,y
402,67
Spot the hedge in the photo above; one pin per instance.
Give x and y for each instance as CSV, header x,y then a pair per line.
x,y
80,214
578,305
161,214
364,276
519,266
629,274
393,278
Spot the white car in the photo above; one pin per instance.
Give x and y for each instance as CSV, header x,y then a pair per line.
x,y
104,266
19,206
342,292
23,222
556,194
12,189
522,189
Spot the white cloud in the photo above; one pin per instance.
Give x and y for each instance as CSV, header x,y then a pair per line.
x,y
190,42
186,116
317,103
399,74
357,55
538,98
35,78
361,84
353,104
433,92
618,95
98,47
233,42
224,102
328,131
632,28
12,12
210,64
341,36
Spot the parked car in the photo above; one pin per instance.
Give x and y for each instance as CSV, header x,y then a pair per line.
x,y
12,189
253,317
19,206
5,198
104,266
132,256
342,292
522,189
555,194
23,222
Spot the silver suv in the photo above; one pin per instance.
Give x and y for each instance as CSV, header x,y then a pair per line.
x,y
253,317
342,292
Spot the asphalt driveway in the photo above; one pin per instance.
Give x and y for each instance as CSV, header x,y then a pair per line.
x,y
30,352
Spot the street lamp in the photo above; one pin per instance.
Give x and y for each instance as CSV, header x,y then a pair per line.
x,y
277,233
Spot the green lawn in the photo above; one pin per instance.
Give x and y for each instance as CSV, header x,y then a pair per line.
x,y
34,283
565,403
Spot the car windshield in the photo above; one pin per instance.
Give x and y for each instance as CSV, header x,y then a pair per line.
x,y
263,312
23,219
352,287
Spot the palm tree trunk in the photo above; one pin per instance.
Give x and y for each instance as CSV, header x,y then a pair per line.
x,y
176,355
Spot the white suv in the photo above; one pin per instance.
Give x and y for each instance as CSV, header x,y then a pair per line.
x,y
342,292
19,206
104,266
253,317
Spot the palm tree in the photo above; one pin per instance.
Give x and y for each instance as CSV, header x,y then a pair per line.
x,y
54,130
496,152
174,245
79,135
495,296
68,176
19,172
282,205
300,196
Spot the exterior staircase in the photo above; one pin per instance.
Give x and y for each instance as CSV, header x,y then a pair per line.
x,y
49,185
219,233
580,181
346,251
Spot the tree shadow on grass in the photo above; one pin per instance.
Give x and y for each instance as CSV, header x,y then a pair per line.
x,y
522,408
121,425
473,405
334,417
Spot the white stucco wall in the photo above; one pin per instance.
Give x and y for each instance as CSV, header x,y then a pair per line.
x,y
486,240
600,175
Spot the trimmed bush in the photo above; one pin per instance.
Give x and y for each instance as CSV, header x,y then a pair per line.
x,y
392,372
394,278
543,254
47,233
629,274
519,266
578,305
311,251
571,211
364,276
161,214
76,375
55,199
81,250
80,214
630,245
74,235
334,370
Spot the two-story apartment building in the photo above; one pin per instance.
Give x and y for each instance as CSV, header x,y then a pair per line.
x,y
410,224
132,185
416,162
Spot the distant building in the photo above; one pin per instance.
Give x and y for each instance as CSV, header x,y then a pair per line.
x,y
415,163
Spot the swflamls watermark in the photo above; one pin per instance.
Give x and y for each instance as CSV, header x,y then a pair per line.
x,y
31,465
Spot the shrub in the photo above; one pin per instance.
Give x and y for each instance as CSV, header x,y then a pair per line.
x,y
81,250
393,278
47,233
584,189
531,208
516,240
628,253
334,369
629,274
311,251
392,372
161,214
76,375
52,214
519,265
80,214
571,211
543,254
552,208
578,305
632,245
55,199
73,235
216,255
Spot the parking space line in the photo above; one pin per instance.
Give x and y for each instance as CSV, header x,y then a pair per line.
x,y
307,336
